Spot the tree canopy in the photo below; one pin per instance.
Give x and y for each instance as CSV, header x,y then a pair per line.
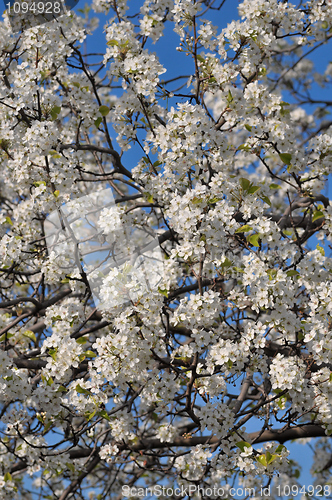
x,y
165,263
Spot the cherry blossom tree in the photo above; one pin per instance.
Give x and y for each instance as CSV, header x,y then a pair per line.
x,y
203,379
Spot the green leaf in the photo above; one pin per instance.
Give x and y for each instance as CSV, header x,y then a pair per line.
x,y
56,318
285,158
253,189
248,127
76,84
112,42
227,262
71,466
81,390
90,415
53,353
242,445
104,414
104,110
163,292
318,214
244,147
244,183
90,354
320,249
54,155
73,320
200,58
213,200
238,269
8,477
243,229
262,460
284,112
61,388
56,193
98,122
5,336
272,273
270,458
81,340
293,272
266,199
30,335
9,221
229,97
280,448
55,111
275,186
253,239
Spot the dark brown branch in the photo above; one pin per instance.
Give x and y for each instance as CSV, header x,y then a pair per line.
x,y
298,432
279,435
301,203
92,147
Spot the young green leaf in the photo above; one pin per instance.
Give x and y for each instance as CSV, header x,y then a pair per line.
x,y
81,390
318,214
286,158
242,445
266,199
98,121
253,239
243,229
244,183
30,335
55,111
104,110
90,354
